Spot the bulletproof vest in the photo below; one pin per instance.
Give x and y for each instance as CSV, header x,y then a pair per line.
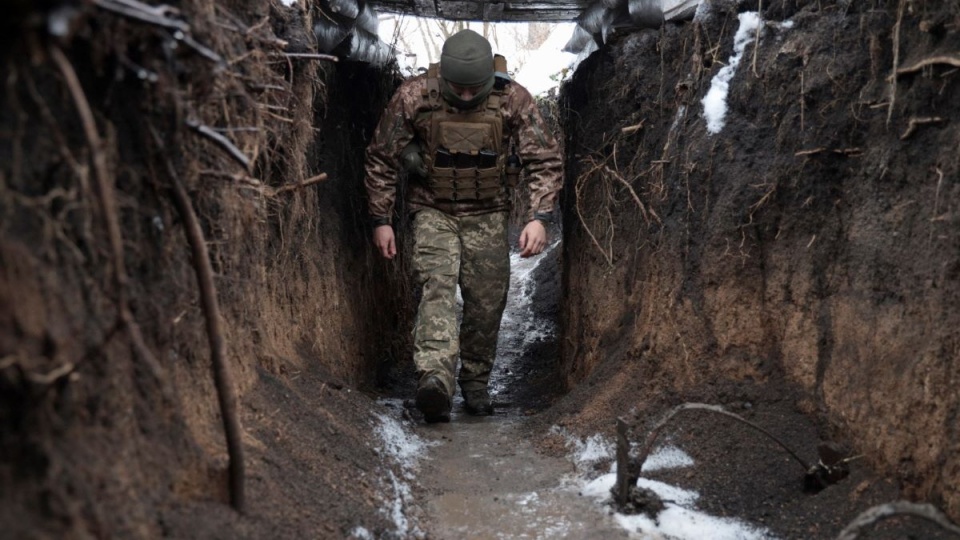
x,y
464,155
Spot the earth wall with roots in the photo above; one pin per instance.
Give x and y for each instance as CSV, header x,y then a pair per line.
x,y
811,241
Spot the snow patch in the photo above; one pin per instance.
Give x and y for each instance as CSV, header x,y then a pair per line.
x,y
594,449
402,498
678,523
288,3
362,533
668,493
399,444
715,102
519,319
680,520
667,457
585,453
400,448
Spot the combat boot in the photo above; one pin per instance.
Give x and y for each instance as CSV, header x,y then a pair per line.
x,y
477,402
433,400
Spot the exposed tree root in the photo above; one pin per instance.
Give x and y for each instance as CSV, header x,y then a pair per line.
x,y
888,510
222,375
896,60
224,142
108,207
949,60
914,122
299,185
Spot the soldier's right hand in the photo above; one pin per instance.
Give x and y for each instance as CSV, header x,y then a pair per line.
x,y
385,241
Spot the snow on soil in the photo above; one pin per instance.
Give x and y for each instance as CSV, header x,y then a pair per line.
x,y
715,102
400,444
519,319
399,448
680,520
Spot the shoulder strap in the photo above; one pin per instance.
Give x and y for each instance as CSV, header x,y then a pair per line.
x,y
432,90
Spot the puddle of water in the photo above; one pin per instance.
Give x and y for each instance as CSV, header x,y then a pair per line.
x,y
510,491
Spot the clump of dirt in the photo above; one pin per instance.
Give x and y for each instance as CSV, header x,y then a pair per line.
x,y
797,265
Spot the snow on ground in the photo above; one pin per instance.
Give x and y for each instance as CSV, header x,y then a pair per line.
x,y
519,319
715,102
399,444
402,449
679,521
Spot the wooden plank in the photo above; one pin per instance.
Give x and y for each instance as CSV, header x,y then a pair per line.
x,y
513,10
675,10
492,11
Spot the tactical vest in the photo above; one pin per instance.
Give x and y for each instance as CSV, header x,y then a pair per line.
x,y
464,153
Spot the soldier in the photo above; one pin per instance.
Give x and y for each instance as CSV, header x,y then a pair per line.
x,y
458,130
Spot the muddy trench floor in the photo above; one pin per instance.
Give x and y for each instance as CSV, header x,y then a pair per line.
x,y
510,475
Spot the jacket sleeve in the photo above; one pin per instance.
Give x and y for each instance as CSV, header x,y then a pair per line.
x,y
538,149
381,169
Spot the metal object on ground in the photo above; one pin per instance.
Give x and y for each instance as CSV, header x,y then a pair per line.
x,y
831,468
888,510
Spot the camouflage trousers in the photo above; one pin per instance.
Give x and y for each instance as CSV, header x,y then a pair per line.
x,y
471,251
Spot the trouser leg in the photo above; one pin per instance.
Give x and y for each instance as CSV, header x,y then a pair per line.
x,y
484,281
436,267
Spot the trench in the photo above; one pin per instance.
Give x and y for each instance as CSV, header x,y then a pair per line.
x,y
483,477
798,267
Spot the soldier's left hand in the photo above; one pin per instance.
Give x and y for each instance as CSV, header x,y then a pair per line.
x,y
533,239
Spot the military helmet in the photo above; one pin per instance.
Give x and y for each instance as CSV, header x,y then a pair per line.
x,y
466,59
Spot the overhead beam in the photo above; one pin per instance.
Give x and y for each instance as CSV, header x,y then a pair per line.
x,y
490,11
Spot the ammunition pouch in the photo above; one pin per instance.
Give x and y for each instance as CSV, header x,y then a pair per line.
x,y
464,176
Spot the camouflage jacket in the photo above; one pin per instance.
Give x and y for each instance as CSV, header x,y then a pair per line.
x,y
408,116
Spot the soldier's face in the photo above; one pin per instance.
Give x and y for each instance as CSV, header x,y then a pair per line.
x,y
465,93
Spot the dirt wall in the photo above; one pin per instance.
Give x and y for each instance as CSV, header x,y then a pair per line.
x,y
814,239
103,438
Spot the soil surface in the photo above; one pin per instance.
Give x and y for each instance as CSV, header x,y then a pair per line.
x,y
800,269
512,475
